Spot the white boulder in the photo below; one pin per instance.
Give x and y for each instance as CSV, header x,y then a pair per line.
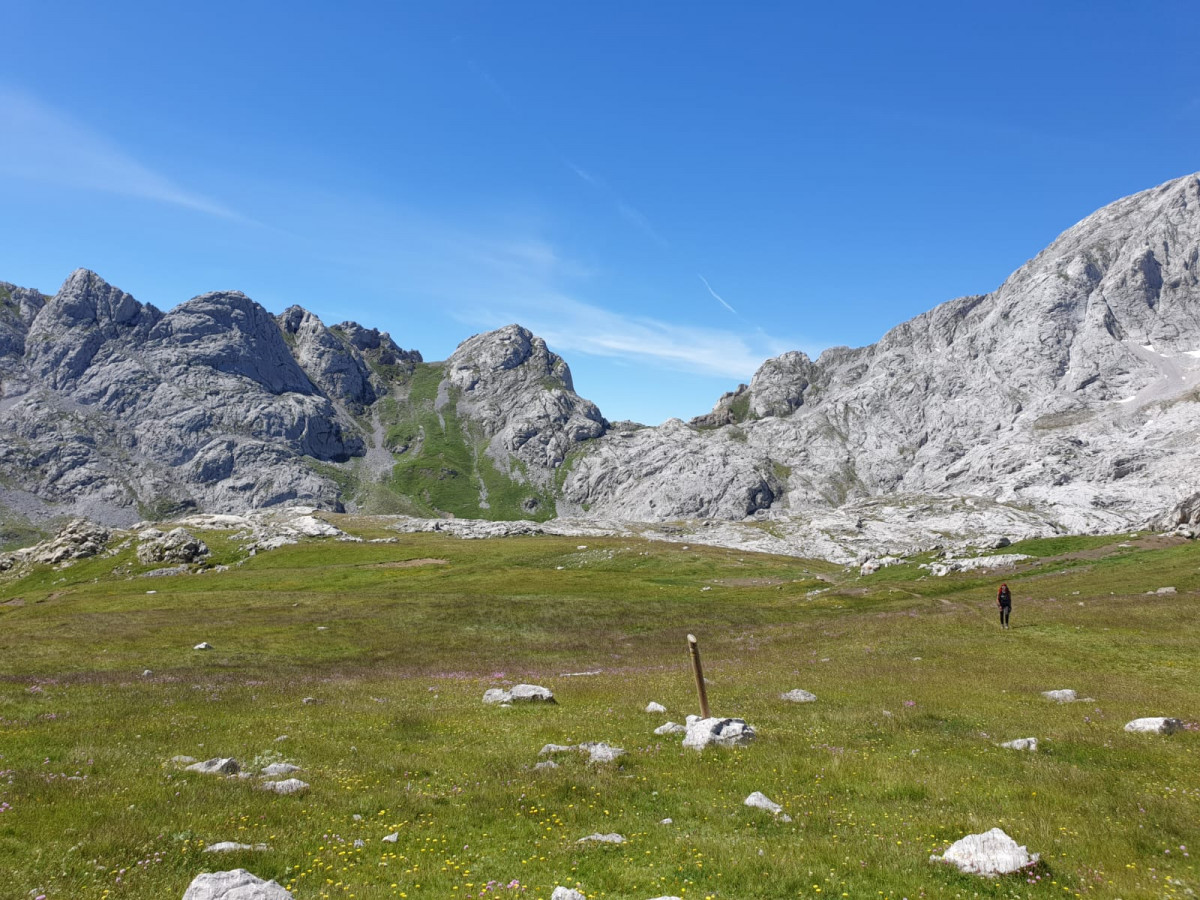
x,y
759,800
218,765
237,884
1066,695
203,645
274,770
798,696
287,786
722,732
600,752
519,693
613,838
233,846
565,893
653,707
990,853
1029,743
1154,725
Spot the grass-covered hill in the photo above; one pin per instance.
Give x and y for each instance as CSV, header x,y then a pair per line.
x,y
372,659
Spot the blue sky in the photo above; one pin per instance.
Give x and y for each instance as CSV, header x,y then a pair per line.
x,y
667,192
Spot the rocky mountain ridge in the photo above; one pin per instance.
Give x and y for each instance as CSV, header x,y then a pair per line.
x,y
1067,399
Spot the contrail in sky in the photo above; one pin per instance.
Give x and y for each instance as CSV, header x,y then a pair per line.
x,y
718,297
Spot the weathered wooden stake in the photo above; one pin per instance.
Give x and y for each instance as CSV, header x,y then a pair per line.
x,y
699,672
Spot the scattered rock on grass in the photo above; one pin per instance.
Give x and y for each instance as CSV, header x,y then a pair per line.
x,y
1029,743
218,765
671,728
613,838
181,760
653,707
798,696
990,853
203,645
600,752
287,786
274,770
1065,695
723,732
555,748
1155,725
233,846
759,800
237,884
519,693
564,893
546,764
392,838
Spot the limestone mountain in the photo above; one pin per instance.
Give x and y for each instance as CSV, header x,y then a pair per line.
x,y
1068,396
1071,388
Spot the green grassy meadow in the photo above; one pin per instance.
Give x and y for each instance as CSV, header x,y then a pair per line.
x,y
395,644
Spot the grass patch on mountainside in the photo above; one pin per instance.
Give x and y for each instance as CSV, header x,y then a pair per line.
x,y
395,644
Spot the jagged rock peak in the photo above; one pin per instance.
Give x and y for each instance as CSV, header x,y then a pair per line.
x,y
482,357
522,396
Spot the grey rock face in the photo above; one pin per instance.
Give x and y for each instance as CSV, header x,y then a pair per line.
x,y
726,732
522,398
110,403
216,766
1066,389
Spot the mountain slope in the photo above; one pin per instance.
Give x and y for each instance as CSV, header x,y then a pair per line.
x,y
1073,387
1072,392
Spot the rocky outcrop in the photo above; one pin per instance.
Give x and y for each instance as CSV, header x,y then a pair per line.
x,y
115,410
1071,389
521,397
1066,400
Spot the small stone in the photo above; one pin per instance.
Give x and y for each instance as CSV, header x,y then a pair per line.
x,y
599,752
1029,743
990,853
653,707
146,673
667,822
1154,725
216,766
181,760
613,838
1066,695
758,800
1165,590
531,693
233,846
496,695
237,884
546,764
274,770
671,728
555,748
392,838
798,696
287,786
203,645
309,701
563,893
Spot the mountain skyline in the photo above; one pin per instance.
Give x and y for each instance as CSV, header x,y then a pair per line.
x,y
667,199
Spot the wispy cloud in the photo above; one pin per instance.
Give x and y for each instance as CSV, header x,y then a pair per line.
x,y
716,296
626,210
46,145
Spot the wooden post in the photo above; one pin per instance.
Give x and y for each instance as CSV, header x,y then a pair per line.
x,y
699,673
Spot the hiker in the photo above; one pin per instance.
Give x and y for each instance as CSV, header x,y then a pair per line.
x,y
1004,601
